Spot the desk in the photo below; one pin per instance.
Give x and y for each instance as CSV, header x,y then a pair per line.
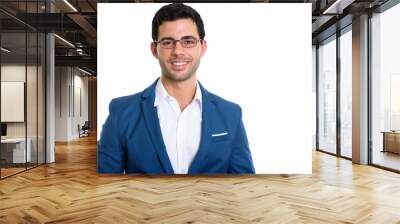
x,y
391,141
16,147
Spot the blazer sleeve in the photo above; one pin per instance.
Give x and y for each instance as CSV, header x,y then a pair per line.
x,y
110,151
241,161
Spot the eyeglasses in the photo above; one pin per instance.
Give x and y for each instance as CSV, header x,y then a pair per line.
x,y
170,43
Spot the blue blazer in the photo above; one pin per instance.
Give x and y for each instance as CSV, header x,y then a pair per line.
x,y
131,139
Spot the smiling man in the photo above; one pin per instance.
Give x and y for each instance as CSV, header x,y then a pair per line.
x,y
175,126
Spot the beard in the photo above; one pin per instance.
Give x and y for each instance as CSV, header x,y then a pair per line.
x,y
178,76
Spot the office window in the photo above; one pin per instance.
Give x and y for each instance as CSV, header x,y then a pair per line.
x,y
385,88
346,93
327,96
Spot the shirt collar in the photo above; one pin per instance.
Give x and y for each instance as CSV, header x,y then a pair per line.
x,y
162,94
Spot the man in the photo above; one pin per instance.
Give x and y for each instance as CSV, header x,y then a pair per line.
x,y
175,126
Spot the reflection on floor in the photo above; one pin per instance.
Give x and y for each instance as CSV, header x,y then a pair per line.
x,y
10,171
386,159
346,152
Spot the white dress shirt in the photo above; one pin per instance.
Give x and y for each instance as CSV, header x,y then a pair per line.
x,y
181,130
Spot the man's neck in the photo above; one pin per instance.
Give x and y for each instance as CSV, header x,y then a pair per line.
x,y
182,91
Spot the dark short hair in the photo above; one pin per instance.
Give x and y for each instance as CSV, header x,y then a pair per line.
x,y
174,12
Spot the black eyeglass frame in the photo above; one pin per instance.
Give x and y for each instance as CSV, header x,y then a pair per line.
x,y
180,41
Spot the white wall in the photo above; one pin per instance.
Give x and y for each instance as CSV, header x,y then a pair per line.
x,y
61,103
80,84
70,83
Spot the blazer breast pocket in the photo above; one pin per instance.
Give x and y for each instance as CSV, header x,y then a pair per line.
x,y
220,137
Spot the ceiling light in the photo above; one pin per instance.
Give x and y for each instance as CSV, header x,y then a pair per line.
x,y
338,6
84,71
70,5
5,50
64,40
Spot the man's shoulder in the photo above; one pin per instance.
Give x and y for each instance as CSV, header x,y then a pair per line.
x,y
125,102
226,110
225,105
131,102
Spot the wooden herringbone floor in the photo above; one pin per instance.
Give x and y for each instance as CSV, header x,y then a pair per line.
x,y
70,191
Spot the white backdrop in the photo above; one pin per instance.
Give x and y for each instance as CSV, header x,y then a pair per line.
x,y
259,56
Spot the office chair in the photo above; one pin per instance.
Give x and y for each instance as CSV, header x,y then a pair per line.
x,y
84,130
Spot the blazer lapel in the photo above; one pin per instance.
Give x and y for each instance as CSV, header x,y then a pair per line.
x,y
153,126
207,119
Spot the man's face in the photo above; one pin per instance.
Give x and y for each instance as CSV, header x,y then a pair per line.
x,y
178,63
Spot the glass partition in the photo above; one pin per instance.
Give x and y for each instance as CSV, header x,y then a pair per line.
x,y
22,77
13,110
31,100
41,91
